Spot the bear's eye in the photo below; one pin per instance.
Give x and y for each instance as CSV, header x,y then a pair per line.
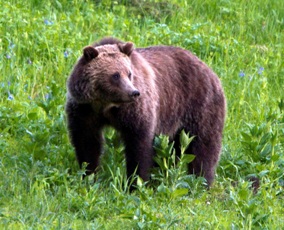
x,y
116,76
129,75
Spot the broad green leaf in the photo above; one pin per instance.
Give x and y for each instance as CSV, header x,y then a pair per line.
x,y
179,192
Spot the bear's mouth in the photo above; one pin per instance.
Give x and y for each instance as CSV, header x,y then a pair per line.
x,y
126,101
115,104
129,98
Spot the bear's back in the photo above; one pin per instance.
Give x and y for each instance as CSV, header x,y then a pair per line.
x,y
186,86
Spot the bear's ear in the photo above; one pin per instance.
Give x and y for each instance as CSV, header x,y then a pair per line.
x,y
126,48
90,53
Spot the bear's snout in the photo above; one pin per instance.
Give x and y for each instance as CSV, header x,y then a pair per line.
x,y
134,94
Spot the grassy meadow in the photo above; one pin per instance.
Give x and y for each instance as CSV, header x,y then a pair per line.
x,y
40,181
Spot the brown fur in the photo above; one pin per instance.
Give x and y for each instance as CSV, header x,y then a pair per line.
x,y
160,89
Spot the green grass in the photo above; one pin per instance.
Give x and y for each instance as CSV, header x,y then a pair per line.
x,y
41,186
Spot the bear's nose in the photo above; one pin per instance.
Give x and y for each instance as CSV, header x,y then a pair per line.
x,y
135,93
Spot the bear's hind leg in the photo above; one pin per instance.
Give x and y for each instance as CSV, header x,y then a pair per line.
x,y
206,159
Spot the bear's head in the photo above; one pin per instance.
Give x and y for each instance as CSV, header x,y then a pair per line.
x,y
104,75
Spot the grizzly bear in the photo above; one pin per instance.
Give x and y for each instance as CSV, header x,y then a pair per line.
x,y
143,92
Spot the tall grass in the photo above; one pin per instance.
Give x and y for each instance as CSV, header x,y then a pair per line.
x,y
41,186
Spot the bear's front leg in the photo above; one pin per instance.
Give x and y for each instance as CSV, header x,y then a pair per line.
x,y
85,135
139,153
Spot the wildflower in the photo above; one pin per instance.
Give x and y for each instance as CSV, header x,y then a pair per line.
x,y
8,56
66,54
47,22
47,96
11,45
10,97
241,74
260,70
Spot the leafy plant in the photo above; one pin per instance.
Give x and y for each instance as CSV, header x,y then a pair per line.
x,y
171,172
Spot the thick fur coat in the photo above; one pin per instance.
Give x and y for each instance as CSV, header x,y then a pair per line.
x,y
143,92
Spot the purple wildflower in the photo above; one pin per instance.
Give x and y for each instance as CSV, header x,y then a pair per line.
x,y
10,97
47,22
260,70
66,54
242,74
47,96
11,45
8,56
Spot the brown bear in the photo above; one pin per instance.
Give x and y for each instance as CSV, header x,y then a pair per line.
x,y
143,92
